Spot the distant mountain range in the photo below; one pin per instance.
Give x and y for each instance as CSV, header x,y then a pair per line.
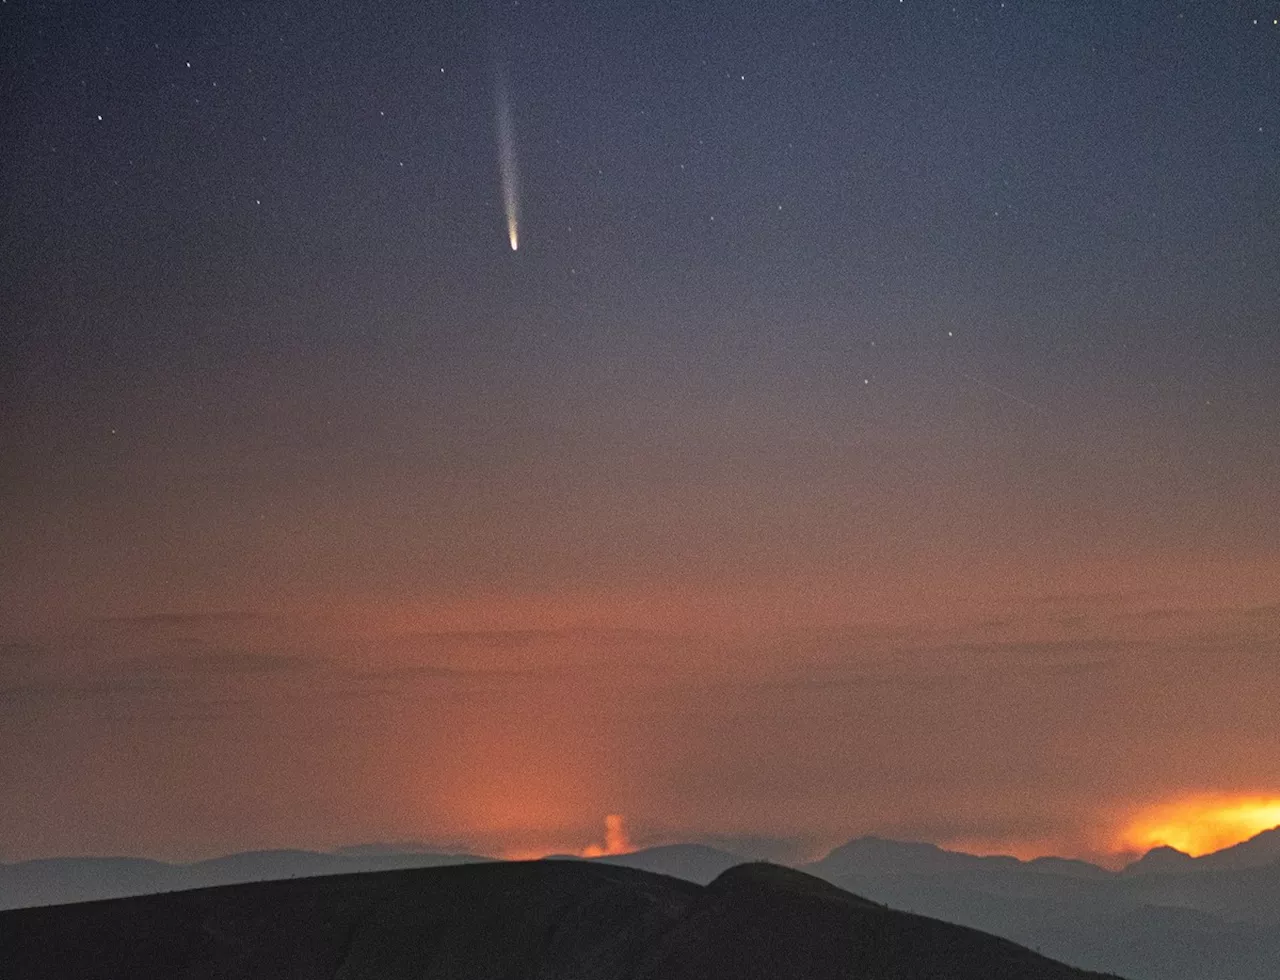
x,y
1256,852
1167,916
57,881
545,920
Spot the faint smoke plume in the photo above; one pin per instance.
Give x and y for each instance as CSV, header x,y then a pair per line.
x,y
616,840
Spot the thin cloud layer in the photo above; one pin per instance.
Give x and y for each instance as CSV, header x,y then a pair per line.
x,y
1012,733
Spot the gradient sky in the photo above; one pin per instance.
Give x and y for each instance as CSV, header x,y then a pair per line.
x,y
877,429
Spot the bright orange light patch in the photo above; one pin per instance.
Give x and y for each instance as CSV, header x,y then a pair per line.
x,y
616,840
1203,824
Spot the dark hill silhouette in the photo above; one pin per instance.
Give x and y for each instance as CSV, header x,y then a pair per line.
x,y
542,919
1186,921
692,862
879,855
871,855
1179,919
1258,851
1162,860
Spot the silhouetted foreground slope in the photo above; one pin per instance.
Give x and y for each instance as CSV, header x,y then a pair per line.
x,y
543,920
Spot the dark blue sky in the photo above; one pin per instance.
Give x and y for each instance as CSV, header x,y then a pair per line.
x,y
824,316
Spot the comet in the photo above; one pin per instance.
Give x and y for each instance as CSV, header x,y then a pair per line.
x,y
507,160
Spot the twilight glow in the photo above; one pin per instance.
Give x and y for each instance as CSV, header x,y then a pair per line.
x,y
878,434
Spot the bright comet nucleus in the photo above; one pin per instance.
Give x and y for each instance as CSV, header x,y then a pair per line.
x,y
1201,825
507,161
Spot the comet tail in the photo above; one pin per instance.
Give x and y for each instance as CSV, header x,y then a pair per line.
x,y
507,164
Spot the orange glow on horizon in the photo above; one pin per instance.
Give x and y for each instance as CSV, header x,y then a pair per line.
x,y
1202,825
616,841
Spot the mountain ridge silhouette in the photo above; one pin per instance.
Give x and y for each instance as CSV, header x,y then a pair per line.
x,y
1166,916
554,920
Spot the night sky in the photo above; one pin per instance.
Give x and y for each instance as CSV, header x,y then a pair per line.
x,y
877,428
